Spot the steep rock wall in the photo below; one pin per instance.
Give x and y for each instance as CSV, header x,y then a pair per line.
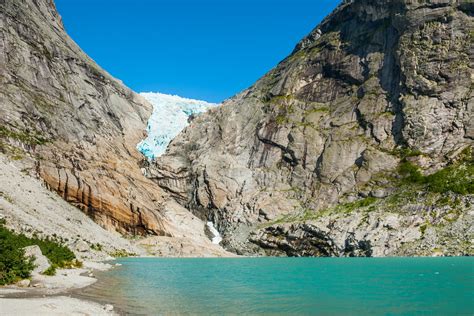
x,y
78,123
376,82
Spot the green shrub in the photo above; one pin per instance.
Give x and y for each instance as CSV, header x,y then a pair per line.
x,y
410,172
423,228
57,254
122,253
50,271
14,266
97,247
26,137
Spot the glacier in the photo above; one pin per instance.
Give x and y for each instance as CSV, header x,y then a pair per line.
x,y
171,114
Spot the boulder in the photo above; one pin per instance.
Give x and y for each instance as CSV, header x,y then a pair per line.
x,y
40,261
24,283
108,307
81,246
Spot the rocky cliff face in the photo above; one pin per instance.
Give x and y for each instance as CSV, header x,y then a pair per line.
x,y
79,122
78,127
337,150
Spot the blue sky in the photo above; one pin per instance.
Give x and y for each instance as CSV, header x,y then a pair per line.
x,y
208,49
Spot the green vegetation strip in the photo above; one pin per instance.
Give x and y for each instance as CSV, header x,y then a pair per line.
x,y
456,178
29,138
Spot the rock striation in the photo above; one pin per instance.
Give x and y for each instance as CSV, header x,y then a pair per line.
x,y
79,123
376,88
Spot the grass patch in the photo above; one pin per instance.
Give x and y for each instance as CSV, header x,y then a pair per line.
x,y
122,253
318,110
458,178
410,173
25,137
309,214
13,152
14,266
360,203
405,152
281,119
305,124
6,197
65,265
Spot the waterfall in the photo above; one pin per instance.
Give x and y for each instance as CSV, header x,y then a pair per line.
x,y
216,237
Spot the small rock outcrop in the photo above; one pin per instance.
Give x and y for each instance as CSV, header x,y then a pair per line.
x,y
376,85
24,283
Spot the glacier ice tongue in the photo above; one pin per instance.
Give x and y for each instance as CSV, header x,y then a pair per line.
x,y
170,116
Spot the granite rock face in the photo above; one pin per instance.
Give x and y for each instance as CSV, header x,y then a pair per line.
x,y
375,84
419,226
79,123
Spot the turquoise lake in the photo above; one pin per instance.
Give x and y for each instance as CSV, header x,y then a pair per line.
x,y
289,286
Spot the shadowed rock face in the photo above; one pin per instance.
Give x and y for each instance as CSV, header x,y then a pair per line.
x,y
79,123
373,79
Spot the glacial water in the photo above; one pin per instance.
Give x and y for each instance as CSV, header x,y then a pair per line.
x,y
289,286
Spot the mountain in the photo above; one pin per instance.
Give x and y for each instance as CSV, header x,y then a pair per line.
x,y
357,144
68,122
78,122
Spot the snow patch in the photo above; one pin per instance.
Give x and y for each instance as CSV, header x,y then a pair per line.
x,y
171,114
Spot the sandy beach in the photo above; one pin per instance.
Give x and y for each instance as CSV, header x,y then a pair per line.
x,y
49,295
57,305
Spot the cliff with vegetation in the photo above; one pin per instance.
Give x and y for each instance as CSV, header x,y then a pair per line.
x,y
357,144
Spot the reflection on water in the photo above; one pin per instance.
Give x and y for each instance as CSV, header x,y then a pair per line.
x,y
336,286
